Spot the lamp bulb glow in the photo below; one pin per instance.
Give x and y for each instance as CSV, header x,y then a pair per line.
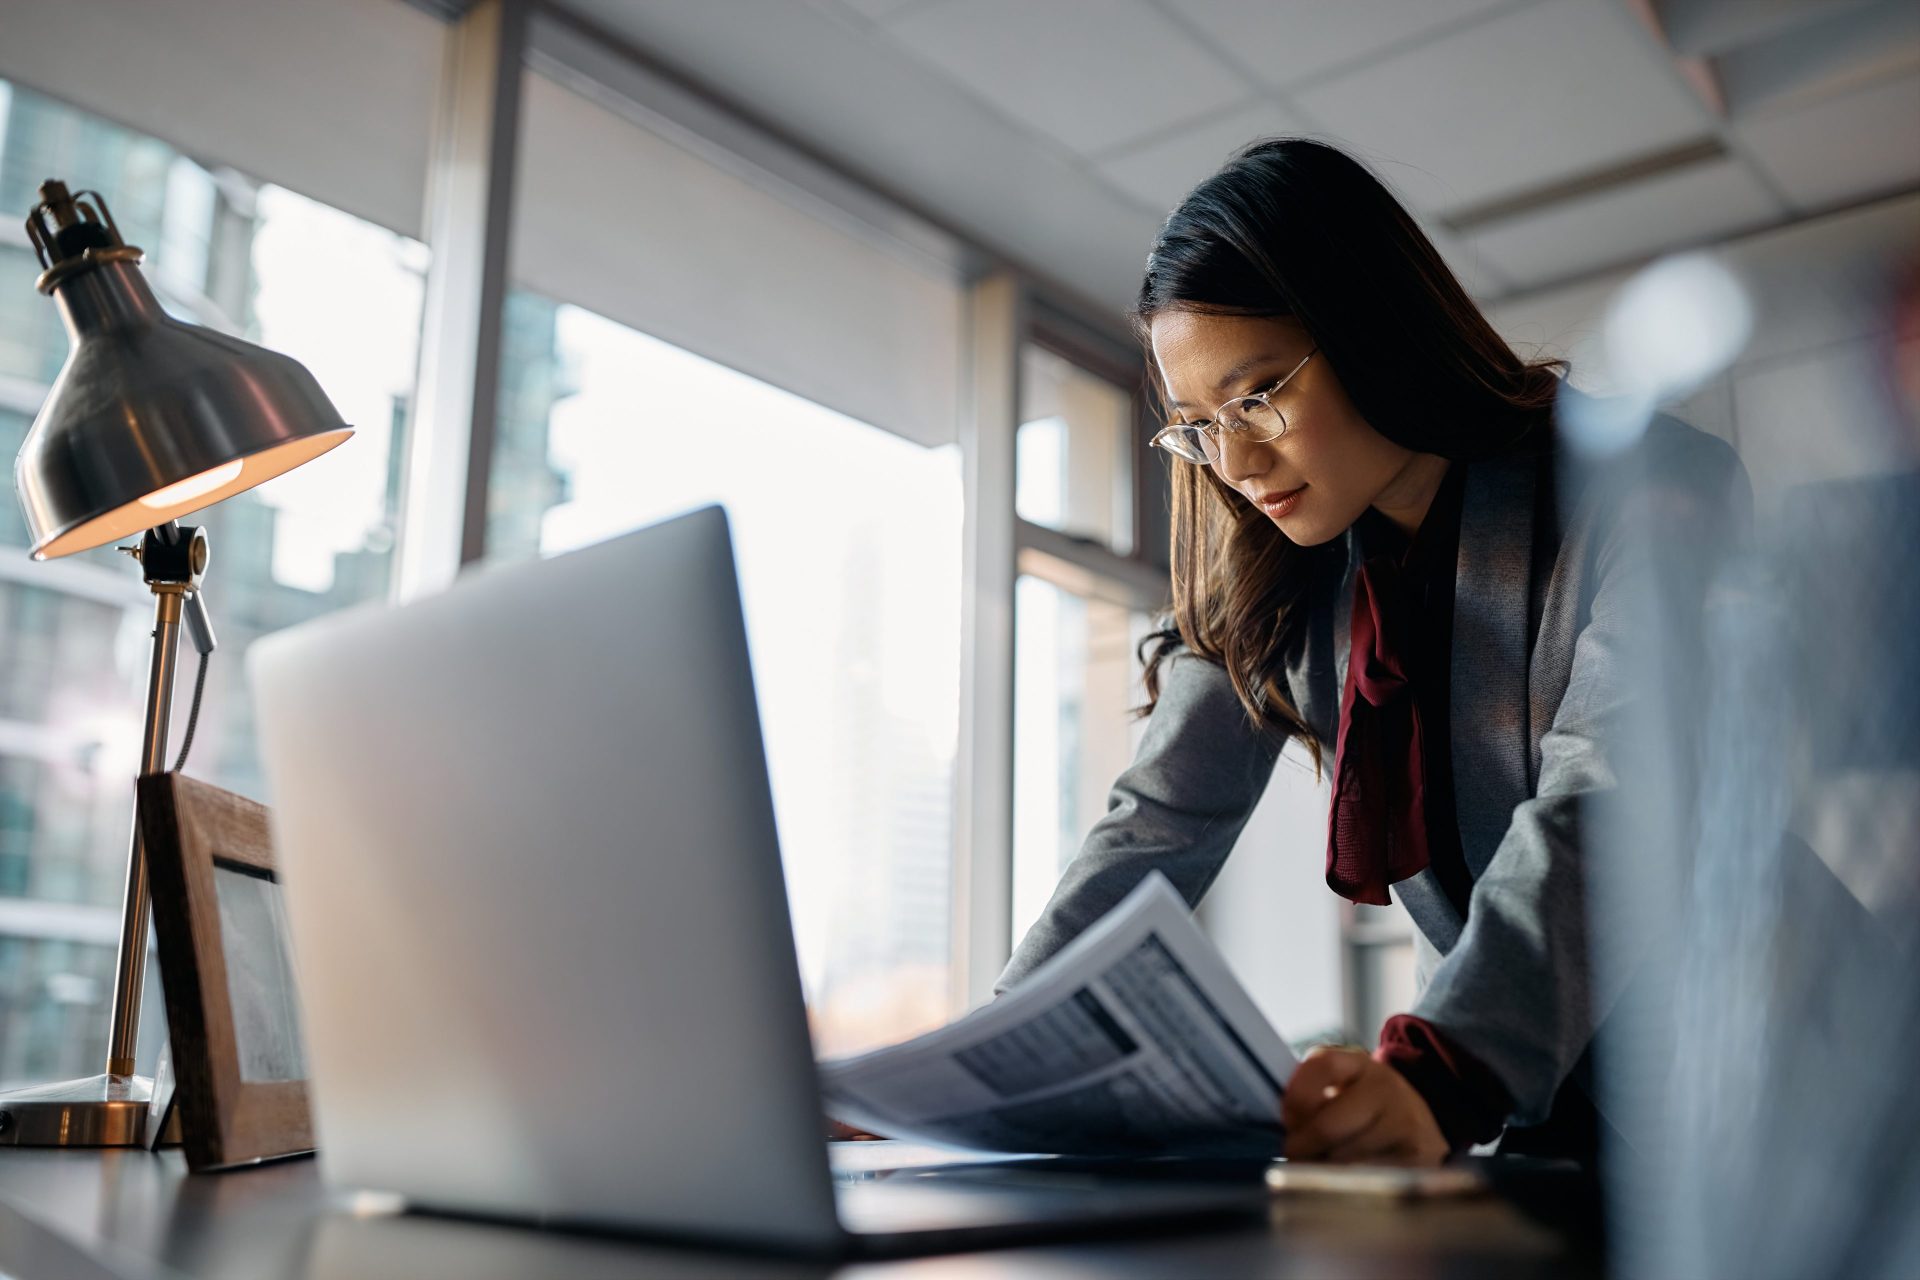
x,y
194,486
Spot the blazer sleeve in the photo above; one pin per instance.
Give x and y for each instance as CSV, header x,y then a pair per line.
x,y
1177,809
1518,990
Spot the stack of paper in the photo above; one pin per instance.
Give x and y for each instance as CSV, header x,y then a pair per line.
x,y
1133,1040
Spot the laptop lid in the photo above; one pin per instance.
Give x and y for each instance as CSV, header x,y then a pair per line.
x,y
536,899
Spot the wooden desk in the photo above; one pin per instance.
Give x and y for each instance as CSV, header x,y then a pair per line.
x,y
127,1213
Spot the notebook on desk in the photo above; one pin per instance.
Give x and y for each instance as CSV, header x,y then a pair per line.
x,y
538,913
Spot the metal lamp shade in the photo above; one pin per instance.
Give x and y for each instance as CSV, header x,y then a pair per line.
x,y
153,418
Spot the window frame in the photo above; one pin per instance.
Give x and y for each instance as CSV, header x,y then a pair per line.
x,y
1137,580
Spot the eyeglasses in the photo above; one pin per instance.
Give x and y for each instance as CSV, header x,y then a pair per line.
x,y
1253,418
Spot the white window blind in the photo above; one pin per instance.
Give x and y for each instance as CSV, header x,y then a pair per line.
x,y
627,224
331,98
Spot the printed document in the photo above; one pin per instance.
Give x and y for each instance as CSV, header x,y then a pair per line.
x,y
1134,1040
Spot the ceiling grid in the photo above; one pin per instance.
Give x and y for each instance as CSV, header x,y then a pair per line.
x,y
1536,140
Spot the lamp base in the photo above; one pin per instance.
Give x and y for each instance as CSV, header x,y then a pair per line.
x,y
95,1111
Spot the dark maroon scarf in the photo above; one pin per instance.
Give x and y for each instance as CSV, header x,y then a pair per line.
x,y
1377,830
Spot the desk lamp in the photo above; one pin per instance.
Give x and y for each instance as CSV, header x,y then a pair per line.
x,y
151,419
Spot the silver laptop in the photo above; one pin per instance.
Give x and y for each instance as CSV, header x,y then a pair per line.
x,y
541,929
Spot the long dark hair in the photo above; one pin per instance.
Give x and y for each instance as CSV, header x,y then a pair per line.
x,y
1293,227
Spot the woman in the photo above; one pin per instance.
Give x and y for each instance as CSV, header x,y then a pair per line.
x,y
1375,552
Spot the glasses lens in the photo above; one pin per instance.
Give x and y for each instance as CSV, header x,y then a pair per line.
x,y
1252,418
1186,443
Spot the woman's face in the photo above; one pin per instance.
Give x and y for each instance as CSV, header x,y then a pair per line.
x,y
1329,467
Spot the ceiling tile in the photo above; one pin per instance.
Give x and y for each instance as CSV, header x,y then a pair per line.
x,y
1159,173
1822,281
1856,144
881,8
1688,206
1707,28
1513,103
1092,74
1282,41
1842,51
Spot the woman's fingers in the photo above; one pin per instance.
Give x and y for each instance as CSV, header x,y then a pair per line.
x,y
1342,1105
1377,1144
1317,1080
1357,1107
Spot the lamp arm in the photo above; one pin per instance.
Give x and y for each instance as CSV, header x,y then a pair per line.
x,y
199,625
172,559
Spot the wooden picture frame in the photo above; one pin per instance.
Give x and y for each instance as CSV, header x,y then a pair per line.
x,y
225,965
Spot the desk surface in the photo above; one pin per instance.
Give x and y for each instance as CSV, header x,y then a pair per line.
x,y
128,1213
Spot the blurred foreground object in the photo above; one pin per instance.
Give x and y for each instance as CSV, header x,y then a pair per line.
x,y
1672,327
1773,893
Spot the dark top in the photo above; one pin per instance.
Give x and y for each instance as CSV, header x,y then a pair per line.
x,y
1393,808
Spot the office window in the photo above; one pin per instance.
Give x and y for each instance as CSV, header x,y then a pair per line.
x,y
848,544
1074,451
340,295
1075,683
1076,679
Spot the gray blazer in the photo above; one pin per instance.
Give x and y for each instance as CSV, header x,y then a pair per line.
x,y
1542,669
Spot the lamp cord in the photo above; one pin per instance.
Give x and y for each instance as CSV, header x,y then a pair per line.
x,y
193,714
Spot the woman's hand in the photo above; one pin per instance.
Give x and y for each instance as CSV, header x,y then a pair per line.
x,y
1342,1106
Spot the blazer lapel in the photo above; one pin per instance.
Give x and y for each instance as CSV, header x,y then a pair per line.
x,y
1491,592
1343,622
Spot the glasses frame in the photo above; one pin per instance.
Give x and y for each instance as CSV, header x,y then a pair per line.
x,y
1209,430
